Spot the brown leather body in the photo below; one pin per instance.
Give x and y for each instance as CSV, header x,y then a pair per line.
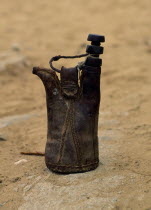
x,y
73,110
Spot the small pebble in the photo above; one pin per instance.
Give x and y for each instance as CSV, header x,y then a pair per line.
x,y
15,47
2,138
16,179
20,161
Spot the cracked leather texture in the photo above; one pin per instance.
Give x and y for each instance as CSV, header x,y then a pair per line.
x,y
72,110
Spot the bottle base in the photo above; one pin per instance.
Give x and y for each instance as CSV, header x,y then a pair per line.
x,y
68,169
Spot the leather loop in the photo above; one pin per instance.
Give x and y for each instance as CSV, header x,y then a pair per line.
x,y
69,82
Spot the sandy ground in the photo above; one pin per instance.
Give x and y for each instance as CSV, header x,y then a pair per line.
x,y
34,31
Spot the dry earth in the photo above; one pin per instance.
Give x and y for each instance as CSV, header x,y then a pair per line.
x,y
31,33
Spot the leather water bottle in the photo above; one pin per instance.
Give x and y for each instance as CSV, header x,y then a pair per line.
x,y
73,110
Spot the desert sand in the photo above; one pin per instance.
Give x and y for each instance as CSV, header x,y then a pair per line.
x,y
31,33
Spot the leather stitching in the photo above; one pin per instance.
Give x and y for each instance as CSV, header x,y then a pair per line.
x,y
65,127
75,166
74,134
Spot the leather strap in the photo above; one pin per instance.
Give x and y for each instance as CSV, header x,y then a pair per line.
x,y
69,82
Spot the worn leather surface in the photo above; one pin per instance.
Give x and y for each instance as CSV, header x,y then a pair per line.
x,y
69,82
73,109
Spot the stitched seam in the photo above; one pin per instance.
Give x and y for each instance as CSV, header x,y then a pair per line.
x,y
93,121
74,135
65,127
71,166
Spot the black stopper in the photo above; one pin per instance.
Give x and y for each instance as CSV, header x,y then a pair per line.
x,y
96,38
92,61
94,50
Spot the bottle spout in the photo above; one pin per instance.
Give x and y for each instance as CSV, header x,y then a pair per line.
x,y
42,73
47,76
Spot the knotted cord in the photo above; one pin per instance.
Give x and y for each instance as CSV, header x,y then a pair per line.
x,y
56,58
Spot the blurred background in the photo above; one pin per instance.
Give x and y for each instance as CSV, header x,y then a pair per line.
x,y
31,33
